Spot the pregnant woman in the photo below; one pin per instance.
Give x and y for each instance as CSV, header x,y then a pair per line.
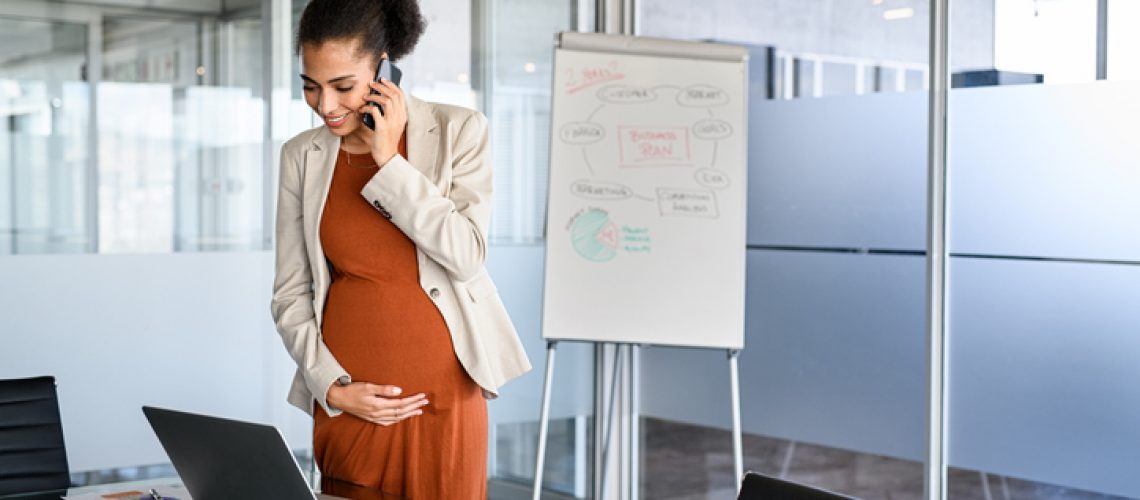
x,y
380,295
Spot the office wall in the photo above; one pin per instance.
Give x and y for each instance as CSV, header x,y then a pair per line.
x,y
188,331
1042,351
833,355
837,173
193,331
1042,285
1055,175
1043,371
835,344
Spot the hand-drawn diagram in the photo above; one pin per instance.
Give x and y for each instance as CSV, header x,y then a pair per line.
x,y
687,202
595,237
616,148
653,146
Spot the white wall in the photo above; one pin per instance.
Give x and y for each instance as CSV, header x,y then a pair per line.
x,y
193,331
189,331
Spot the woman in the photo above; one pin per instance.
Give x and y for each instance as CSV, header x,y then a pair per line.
x,y
380,295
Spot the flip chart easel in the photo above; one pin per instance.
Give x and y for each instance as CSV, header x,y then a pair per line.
x,y
645,238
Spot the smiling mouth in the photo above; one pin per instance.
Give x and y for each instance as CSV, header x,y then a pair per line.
x,y
336,119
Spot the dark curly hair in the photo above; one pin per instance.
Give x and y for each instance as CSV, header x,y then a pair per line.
x,y
392,26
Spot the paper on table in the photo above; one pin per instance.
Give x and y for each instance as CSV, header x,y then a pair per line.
x,y
171,492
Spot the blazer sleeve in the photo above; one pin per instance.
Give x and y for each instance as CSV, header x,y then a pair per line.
x,y
451,230
292,304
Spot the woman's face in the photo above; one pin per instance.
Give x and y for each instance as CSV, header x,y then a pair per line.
x,y
335,80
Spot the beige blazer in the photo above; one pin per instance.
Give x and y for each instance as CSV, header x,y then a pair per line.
x,y
440,197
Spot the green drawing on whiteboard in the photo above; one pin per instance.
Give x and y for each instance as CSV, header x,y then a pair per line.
x,y
593,235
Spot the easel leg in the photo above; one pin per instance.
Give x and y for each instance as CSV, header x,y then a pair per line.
x,y
610,417
737,440
634,436
543,420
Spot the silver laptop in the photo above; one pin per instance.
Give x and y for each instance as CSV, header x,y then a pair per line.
x,y
221,459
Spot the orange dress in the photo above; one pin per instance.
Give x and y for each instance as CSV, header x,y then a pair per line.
x,y
383,329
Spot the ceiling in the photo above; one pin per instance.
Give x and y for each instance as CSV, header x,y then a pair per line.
x,y
188,6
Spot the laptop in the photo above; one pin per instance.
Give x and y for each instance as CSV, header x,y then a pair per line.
x,y
760,487
219,458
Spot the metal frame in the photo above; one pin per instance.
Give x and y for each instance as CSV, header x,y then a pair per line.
x,y
544,419
276,33
1102,39
94,76
623,392
936,251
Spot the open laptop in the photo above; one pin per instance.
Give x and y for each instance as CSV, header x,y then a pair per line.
x,y
219,458
760,487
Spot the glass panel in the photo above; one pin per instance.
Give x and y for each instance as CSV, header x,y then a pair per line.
x,y
833,369
44,141
1054,38
439,69
1045,258
180,135
143,62
521,51
517,61
1123,40
219,193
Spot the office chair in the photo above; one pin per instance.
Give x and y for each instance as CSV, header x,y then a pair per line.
x,y
761,487
32,455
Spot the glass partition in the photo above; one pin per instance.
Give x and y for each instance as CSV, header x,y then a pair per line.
x,y
1056,38
1044,264
45,146
1123,40
180,126
514,50
832,375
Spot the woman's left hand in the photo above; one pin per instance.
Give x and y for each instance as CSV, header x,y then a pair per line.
x,y
390,125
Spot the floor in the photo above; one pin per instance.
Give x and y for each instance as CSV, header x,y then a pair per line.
x,y
689,462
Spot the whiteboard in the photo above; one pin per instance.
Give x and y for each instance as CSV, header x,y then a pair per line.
x,y
645,228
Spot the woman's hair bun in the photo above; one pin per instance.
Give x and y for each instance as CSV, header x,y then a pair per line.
x,y
392,26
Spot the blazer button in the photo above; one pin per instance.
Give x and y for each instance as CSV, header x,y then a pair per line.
x,y
434,293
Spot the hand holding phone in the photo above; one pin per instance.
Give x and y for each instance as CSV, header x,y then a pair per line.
x,y
387,71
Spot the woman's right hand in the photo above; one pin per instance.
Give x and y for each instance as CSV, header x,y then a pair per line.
x,y
374,403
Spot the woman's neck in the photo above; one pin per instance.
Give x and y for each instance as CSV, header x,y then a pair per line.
x,y
354,143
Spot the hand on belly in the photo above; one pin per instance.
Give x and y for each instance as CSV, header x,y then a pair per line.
x,y
379,404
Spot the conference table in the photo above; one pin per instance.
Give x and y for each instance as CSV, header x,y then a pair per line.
x,y
328,487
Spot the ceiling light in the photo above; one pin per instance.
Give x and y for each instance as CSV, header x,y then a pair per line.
x,y
894,14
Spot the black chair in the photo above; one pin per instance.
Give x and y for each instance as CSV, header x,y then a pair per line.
x,y
32,455
761,487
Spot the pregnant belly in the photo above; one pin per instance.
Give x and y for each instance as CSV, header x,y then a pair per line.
x,y
389,334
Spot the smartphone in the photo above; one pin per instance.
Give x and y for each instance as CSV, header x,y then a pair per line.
x,y
387,71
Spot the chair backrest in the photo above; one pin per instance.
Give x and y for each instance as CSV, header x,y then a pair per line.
x,y
32,455
761,487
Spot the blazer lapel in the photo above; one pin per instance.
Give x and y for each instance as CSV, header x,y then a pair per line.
x,y
320,161
423,139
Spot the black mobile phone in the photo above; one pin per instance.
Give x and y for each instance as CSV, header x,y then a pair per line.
x,y
387,71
